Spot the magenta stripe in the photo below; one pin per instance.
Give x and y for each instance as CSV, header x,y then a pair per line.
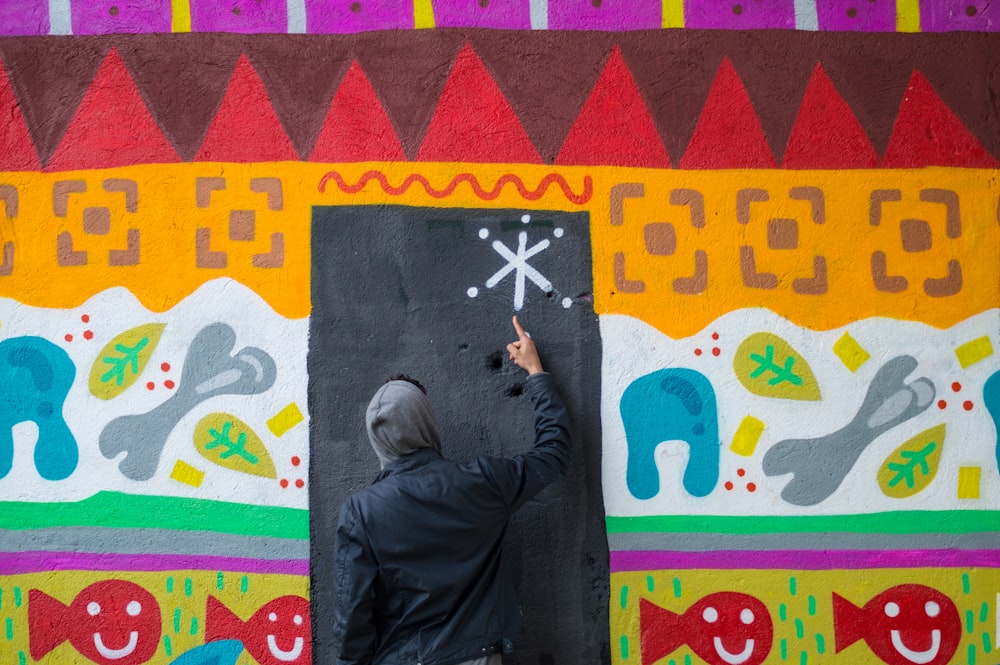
x,y
17,563
626,561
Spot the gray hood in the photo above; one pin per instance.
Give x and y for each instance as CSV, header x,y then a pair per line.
x,y
400,420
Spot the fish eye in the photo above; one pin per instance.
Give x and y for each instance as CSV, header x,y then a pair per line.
x,y
297,620
272,617
710,614
932,608
134,608
891,610
93,608
746,616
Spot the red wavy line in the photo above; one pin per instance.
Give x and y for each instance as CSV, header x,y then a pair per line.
x,y
486,195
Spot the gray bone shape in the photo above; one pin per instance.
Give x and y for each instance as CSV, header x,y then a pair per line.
x,y
209,370
820,465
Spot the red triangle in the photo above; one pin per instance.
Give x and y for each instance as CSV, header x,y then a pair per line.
x,y
17,151
928,133
614,127
112,126
827,135
729,134
474,122
357,128
246,128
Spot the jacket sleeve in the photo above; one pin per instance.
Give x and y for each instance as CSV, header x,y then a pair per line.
x,y
356,572
523,476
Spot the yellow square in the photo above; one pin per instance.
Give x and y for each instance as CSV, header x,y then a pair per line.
x,y
286,419
972,352
187,474
850,352
968,482
747,435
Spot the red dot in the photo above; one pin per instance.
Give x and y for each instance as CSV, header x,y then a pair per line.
x,y
967,405
85,318
165,367
284,482
942,404
716,351
150,385
729,485
956,386
697,352
300,483
68,338
168,384
741,472
715,335
751,487
87,334
296,461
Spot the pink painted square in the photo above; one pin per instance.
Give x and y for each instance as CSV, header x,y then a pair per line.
x,y
949,15
247,16
511,14
348,16
605,15
857,15
101,17
24,17
739,14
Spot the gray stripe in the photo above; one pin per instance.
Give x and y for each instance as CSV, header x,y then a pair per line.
x,y
806,16
296,17
60,18
712,542
151,541
539,14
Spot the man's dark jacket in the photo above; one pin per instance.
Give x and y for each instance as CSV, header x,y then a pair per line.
x,y
421,575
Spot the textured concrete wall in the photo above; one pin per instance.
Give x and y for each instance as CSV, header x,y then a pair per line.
x,y
762,265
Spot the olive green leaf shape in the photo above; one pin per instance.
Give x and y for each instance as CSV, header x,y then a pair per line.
x,y
768,366
231,443
911,467
122,361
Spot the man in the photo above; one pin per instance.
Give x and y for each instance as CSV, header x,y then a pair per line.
x,y
420,571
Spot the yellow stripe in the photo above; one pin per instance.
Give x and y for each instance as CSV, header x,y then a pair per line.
x,y
673,13
423,14
908,15
182,16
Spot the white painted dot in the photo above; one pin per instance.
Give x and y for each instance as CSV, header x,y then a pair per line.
x,y
932,608
272,617
297,619
472,292
746,616
134,608
567,303
558,232
525,219
710,614
93,608
484,233
891,610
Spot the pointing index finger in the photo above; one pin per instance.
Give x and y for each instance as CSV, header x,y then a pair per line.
x,y
518,328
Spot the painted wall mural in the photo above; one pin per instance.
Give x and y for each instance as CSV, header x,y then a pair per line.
x,y
763,264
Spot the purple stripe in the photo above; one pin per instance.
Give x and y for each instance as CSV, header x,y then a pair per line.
x,y
627,561
18,563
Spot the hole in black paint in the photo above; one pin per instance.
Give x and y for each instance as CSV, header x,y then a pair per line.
x,y
596,3
549,294
515,390
971,10
484,3
355,7
737,9
114,11
495,361
236,11
463,347
852,13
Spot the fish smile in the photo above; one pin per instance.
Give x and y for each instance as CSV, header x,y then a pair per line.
x,y
918,657
117,654
281,654
734,658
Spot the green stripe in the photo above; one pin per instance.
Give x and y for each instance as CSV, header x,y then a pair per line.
x,y
898,522
119,510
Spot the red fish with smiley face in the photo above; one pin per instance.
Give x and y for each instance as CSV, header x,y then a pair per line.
x,y
909,624
114,622
725,628
277,634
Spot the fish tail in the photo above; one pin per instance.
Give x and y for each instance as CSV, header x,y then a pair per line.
x,y
221,623
659,631
47,623
848,622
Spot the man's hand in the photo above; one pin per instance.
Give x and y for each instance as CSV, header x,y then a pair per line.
x,y
523,351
